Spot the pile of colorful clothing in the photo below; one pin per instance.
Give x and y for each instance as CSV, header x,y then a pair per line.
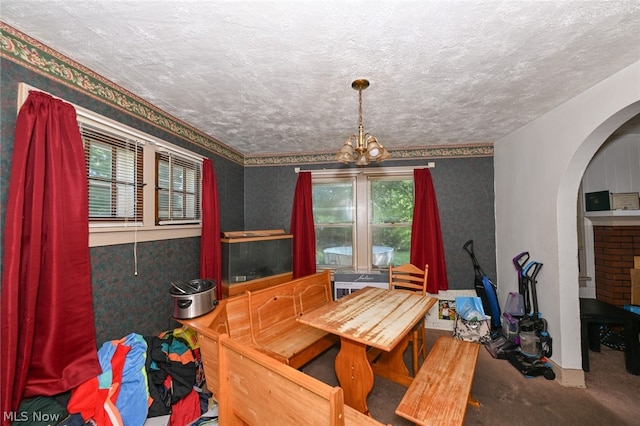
x,y
142,376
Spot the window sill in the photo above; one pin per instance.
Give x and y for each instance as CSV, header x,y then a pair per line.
x,y
125,235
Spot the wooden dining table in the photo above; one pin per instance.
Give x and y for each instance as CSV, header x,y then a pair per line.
x,y
373,325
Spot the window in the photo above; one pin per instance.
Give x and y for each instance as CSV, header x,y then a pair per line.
x,y
391,209
114,173
122,172
363,222
177,189
334,217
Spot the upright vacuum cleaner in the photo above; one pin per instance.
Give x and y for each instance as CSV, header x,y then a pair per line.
x,y
485,289
533,339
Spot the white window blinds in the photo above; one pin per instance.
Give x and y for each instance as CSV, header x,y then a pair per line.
x,y
178,189
114,173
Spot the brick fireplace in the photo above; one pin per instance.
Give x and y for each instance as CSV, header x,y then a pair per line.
x,y
614,249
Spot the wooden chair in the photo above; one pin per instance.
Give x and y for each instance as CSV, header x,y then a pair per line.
x,y
410,277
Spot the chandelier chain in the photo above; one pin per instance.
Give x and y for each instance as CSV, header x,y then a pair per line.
x,y
360,111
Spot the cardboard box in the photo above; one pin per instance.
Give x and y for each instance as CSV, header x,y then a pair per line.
x,y
635,281
348,282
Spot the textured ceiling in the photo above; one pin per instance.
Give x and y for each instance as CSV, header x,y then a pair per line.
x,y
270,77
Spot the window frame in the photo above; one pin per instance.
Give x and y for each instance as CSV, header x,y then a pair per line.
x,y
187,164
362,258
341,225
371,226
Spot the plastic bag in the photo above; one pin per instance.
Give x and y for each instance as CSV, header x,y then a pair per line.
x,y
470,308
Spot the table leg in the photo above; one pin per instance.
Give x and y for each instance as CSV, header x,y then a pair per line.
x,y
354,373
584,343
391,365
632,350
594,336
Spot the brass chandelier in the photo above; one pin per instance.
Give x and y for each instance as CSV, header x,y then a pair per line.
x,y
363,147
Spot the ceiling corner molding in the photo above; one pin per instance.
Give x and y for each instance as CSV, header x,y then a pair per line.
x,y
414,153
30,53
37,57
484,149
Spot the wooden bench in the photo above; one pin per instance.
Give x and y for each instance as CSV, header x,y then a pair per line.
x,y
255,389
265,320
441,390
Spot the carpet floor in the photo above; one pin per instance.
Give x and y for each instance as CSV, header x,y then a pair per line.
x,y
612,396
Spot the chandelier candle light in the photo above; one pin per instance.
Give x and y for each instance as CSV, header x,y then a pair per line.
x,y
367,147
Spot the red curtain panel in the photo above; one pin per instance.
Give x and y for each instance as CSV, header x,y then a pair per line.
x,y
210,251
426,234
47,322
304,235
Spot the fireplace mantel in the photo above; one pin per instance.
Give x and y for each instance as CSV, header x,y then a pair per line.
x,y
614,218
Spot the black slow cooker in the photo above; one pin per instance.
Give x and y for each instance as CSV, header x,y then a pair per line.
x,y
193,298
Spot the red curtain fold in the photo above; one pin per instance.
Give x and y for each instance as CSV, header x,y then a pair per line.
x,y
210,251
426,234
47,320
302,229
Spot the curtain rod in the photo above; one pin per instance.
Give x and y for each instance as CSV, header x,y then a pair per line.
x,y
373,171
97,119
100,121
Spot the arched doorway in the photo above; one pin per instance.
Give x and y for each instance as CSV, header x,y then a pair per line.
x,y
614,168
569,187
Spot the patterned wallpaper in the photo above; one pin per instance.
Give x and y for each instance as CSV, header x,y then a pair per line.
x,y
124,302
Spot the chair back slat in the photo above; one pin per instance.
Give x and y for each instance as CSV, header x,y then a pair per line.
x,y
408,277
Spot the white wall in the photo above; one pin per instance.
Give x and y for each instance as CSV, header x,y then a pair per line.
x,y
616,167
538,170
